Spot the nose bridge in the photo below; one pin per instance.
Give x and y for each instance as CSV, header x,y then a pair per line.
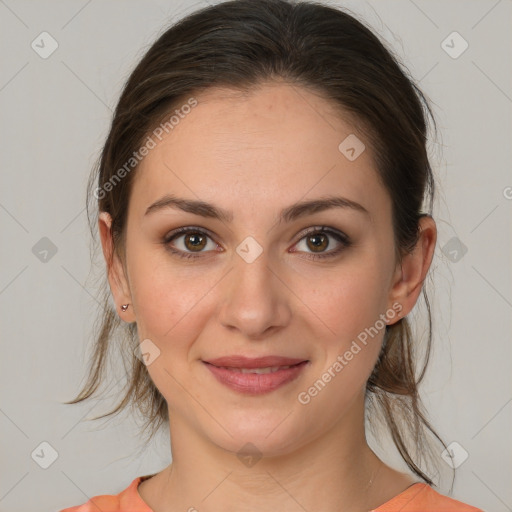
x,y
251,280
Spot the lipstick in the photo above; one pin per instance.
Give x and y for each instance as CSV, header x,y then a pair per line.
x,y
255,376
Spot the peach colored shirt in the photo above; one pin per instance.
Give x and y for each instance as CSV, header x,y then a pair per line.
x,y
418,497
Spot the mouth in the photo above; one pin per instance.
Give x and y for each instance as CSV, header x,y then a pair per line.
x,y
257,375
259,371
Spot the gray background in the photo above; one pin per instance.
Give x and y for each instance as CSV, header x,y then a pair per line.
x,y
55,116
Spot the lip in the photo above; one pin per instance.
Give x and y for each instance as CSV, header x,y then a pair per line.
x,y
227,370
254,362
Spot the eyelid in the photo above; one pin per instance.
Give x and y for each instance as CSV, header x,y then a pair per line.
x,y
322,229
302,234
186,229
340,237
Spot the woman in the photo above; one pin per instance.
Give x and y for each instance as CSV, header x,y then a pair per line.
x,y
260,200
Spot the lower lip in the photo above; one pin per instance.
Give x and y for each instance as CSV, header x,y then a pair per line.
x,y
256,383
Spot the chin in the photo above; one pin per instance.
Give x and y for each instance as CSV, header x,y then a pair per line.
x,y
262,436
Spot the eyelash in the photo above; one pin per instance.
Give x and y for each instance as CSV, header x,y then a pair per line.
x,y
338,236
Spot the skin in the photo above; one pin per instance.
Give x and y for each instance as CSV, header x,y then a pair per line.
x,y
254,155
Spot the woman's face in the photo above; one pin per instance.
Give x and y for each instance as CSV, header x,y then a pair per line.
x,y
252,286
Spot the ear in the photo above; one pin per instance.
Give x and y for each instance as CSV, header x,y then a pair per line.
x,y
410,274
116,275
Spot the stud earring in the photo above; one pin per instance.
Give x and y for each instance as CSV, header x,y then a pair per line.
x,y
124,307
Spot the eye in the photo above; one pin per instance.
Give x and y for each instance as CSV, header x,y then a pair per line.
x,y
195,240
318,241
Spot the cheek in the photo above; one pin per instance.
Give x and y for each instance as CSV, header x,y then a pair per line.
x,y
170,300
351,310
348,300
166,306
350,304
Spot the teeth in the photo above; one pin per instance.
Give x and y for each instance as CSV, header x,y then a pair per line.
x,y
269,369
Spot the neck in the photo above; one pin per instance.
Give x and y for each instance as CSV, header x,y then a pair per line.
x,y
339,469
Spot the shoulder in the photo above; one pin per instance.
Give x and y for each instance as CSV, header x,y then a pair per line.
x,y
127,500
421,497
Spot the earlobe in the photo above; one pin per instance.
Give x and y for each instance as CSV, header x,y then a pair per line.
x,y
411,273
115,272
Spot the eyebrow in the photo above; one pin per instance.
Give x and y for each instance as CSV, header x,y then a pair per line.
x,y
288,214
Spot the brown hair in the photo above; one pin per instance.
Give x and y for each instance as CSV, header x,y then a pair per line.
x,y
242,44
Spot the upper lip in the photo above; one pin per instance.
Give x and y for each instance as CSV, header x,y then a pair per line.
x,y
256,362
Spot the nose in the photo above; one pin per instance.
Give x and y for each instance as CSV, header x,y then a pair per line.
x,y
255,298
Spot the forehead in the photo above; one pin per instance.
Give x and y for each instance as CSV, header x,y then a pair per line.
x,y
248,152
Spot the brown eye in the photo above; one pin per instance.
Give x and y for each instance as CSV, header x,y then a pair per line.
x,y
194,240
318,241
